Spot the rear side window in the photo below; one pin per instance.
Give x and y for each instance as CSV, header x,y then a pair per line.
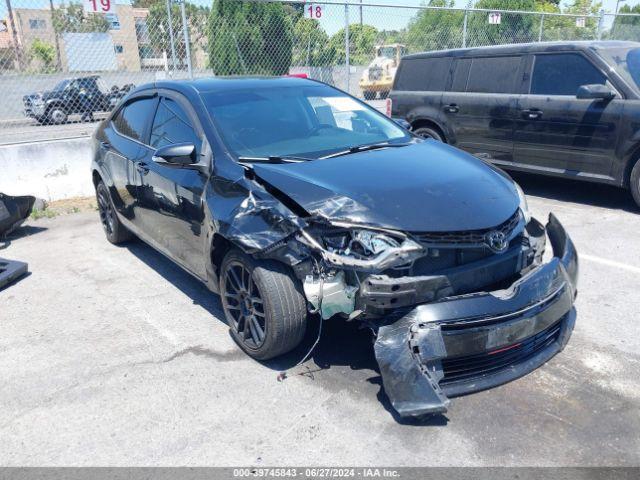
x,y
563,74
461,75
423,74
134,117
172,125
493,74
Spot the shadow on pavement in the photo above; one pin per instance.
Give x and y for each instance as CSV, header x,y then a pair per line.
x,y
23,231
342,344
576,191
189,285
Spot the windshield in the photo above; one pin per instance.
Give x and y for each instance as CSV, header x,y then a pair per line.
x,y
311,121
388,52
61,85
626,61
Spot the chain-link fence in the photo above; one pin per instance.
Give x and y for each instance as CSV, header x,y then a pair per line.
x,y
64,62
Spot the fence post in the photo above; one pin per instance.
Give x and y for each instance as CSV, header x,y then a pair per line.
x,y
464,29
600,24
173,46
185,31
346,41
541,26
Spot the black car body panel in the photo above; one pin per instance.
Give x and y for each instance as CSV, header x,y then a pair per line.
x,y
459,244
508,123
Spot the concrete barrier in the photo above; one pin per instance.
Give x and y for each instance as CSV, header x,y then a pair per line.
x,y
50,170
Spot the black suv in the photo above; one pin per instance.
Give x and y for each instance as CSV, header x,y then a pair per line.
x,y
563,109
83,95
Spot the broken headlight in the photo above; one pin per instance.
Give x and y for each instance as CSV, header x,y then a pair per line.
x,y
364,249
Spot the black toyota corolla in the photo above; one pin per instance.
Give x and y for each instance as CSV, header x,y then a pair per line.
x,y
290,198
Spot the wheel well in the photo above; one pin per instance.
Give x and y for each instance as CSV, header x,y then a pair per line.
x,y
635,158
430,124
96,178
219,248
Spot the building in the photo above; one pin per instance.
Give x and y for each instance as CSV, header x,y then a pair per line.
x,y
126,46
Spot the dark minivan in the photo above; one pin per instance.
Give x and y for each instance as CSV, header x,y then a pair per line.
x,y
567,109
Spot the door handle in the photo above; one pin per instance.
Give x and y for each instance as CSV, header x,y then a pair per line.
x,y
451,108
105,145
532,114
142,168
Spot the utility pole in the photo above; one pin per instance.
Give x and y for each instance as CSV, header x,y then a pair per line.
x,y
12,25
360,12
185,32
173,47
55,35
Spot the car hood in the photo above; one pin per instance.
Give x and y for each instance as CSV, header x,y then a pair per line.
x,y
424,187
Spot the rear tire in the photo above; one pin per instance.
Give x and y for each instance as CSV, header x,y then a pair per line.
x,y
428,132
115,232
263,304
384,94
634,183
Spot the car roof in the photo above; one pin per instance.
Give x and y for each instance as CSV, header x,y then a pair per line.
x,y
220,84
525,48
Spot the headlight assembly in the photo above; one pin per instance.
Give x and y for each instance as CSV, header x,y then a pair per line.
x,y
524,206
363,249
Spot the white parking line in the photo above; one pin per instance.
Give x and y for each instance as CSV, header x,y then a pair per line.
x,y
610,263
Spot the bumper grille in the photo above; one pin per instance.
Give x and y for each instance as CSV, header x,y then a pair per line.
x,y
467,367
470,237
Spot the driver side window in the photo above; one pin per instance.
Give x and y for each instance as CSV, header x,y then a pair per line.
x,y
172,125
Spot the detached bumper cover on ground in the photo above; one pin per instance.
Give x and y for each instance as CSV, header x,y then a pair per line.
x,y
473,342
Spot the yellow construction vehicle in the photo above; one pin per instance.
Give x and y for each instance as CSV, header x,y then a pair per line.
x,y
378,76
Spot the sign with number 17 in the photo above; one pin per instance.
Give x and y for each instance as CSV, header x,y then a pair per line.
x,y
99,6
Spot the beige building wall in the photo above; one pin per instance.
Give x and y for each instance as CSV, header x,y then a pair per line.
x,y
125,41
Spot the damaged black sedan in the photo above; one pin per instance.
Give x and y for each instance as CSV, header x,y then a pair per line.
x,y
289,197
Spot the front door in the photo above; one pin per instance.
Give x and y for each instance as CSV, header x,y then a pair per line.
x,y
122,149
559,133
480,105
171,197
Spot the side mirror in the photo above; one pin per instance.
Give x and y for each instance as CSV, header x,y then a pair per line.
x,y
179,154
595,92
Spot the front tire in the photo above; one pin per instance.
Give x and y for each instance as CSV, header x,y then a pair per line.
x,y
369,95
263,304
634,183
57,115
115,232
428,132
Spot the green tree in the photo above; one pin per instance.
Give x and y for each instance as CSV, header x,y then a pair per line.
x,y
311,45
158,26
362,40
626,28
513,27
72,18
435,29
46,53
250,38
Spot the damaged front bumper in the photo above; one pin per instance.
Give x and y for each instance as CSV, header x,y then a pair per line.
x,y
462,344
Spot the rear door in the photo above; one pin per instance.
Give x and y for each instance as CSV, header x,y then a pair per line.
x,y
170,196
559,133
122,150
480,105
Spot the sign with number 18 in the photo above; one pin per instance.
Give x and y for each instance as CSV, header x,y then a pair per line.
x,y
313,11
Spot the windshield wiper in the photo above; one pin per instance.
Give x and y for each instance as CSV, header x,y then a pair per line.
x,y
275,159
365,147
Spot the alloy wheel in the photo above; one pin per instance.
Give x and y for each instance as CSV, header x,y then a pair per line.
x,y
244,305
106,212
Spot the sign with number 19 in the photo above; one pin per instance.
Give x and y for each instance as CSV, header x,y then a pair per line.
x,y
98,6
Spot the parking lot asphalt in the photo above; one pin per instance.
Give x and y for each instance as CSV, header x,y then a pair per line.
x,y
114,356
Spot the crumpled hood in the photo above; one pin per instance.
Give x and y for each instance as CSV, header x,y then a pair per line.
x,y
425,187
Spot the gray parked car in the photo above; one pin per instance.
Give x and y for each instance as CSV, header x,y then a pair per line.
x,y
566,109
